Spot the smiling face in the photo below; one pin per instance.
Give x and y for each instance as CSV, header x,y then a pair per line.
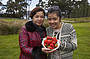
x,y
38,18
54,20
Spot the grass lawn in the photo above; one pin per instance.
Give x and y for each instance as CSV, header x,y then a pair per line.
x,y
83,37
10,19
9,47
78,19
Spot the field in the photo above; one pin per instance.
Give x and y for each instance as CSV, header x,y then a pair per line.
x,y
83,37
9,46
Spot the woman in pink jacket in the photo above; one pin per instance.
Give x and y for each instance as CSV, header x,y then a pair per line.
x,y
31,35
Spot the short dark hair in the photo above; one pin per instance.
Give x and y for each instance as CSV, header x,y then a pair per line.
x,y
35,10
55,9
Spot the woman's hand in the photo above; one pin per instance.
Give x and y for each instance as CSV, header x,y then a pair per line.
x,y
46,50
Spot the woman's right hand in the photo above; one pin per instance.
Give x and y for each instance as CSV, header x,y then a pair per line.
x,y
46,50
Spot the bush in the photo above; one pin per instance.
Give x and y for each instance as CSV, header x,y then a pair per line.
x,y
13,26
3,28
10,27
46,23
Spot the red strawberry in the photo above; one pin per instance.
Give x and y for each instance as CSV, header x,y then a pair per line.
x,y
49,41
52,45
48,37
54,42
45,41
51,48
54,39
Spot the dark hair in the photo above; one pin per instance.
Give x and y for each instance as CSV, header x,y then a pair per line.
x,y
35,10
55,9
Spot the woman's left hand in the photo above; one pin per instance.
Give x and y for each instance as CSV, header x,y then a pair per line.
x,y
46,50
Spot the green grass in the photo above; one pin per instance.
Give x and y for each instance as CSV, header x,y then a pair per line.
x,y
71,19
10,19
83,37
9,47
78,19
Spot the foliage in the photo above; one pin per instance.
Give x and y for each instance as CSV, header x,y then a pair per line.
x,y
76,20
71,20
10,27
1,3
16,9
69,8
82,9
46,23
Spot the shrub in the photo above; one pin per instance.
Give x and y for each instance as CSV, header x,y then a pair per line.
x,y
3,28
10,27
46,23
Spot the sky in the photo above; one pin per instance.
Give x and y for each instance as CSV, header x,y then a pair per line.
x,y
33,3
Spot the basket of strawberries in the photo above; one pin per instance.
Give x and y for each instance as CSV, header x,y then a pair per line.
x,y
50,42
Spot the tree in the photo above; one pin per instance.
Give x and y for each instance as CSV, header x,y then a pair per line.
x,y
66,6
81,9
20,7
17,8
69,8
10,7
1,3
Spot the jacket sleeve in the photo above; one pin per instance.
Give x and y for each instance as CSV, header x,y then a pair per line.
x,y
72,43
23,42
